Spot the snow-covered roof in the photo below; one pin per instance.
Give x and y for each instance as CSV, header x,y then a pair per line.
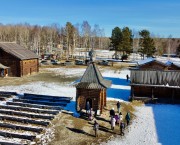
x,y
164,61
142,62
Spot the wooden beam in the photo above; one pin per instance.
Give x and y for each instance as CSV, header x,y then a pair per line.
x,y
14,135
173,92
35,105
24,120
35,110
152,93
29,115
132,92
19,127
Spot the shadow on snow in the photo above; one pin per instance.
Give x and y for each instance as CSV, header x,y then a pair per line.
x,y
118,94
118,81
167,122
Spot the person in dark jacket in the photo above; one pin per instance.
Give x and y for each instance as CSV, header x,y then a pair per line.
x,y
127,77
118,106
127,118
96,128
112,112
122,127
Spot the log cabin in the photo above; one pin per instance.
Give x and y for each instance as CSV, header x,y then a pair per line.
x,y
92,88
20,60
156,81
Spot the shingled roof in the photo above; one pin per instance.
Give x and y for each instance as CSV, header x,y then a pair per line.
x,y
92,79
18,51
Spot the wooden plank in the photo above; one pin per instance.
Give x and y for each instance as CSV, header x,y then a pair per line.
x,y
24,120
10,143
10,112
47,96
6,96
2,98
35,110
8,134
7,93
34,105
41,102
18,127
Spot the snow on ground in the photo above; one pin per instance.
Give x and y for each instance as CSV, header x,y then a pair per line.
x,y
43,88
153,124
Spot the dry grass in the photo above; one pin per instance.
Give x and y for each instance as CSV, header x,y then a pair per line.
x,y
79,131
43,75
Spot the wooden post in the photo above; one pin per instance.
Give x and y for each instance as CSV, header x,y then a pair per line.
x,y
105,99
152,93
173,95
132,92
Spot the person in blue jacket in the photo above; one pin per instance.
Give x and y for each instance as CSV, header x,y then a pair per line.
x,y
127,118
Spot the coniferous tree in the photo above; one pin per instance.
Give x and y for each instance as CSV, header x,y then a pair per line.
x,y
69,38
146,44
116,40
126,40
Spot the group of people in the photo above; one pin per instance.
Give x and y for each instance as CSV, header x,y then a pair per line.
x,y
114,118
118,119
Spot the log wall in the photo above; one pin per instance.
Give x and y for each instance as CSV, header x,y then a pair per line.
x,y
29,66
163,94
97,96
18,67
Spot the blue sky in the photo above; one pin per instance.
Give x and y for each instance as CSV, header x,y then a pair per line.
x,y
161,17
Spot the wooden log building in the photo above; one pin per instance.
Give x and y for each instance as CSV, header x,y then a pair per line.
x,y
156,81
20,61
92,87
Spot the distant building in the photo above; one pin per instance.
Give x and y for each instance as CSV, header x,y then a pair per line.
x,y
20,61
156,80
92,88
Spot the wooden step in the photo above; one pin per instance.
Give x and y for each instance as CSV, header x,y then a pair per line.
x,y
35,110
2,98
29,115
6,96
35,105
41,102
18,127
24,120
47,96
7,93
10,143
8,134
